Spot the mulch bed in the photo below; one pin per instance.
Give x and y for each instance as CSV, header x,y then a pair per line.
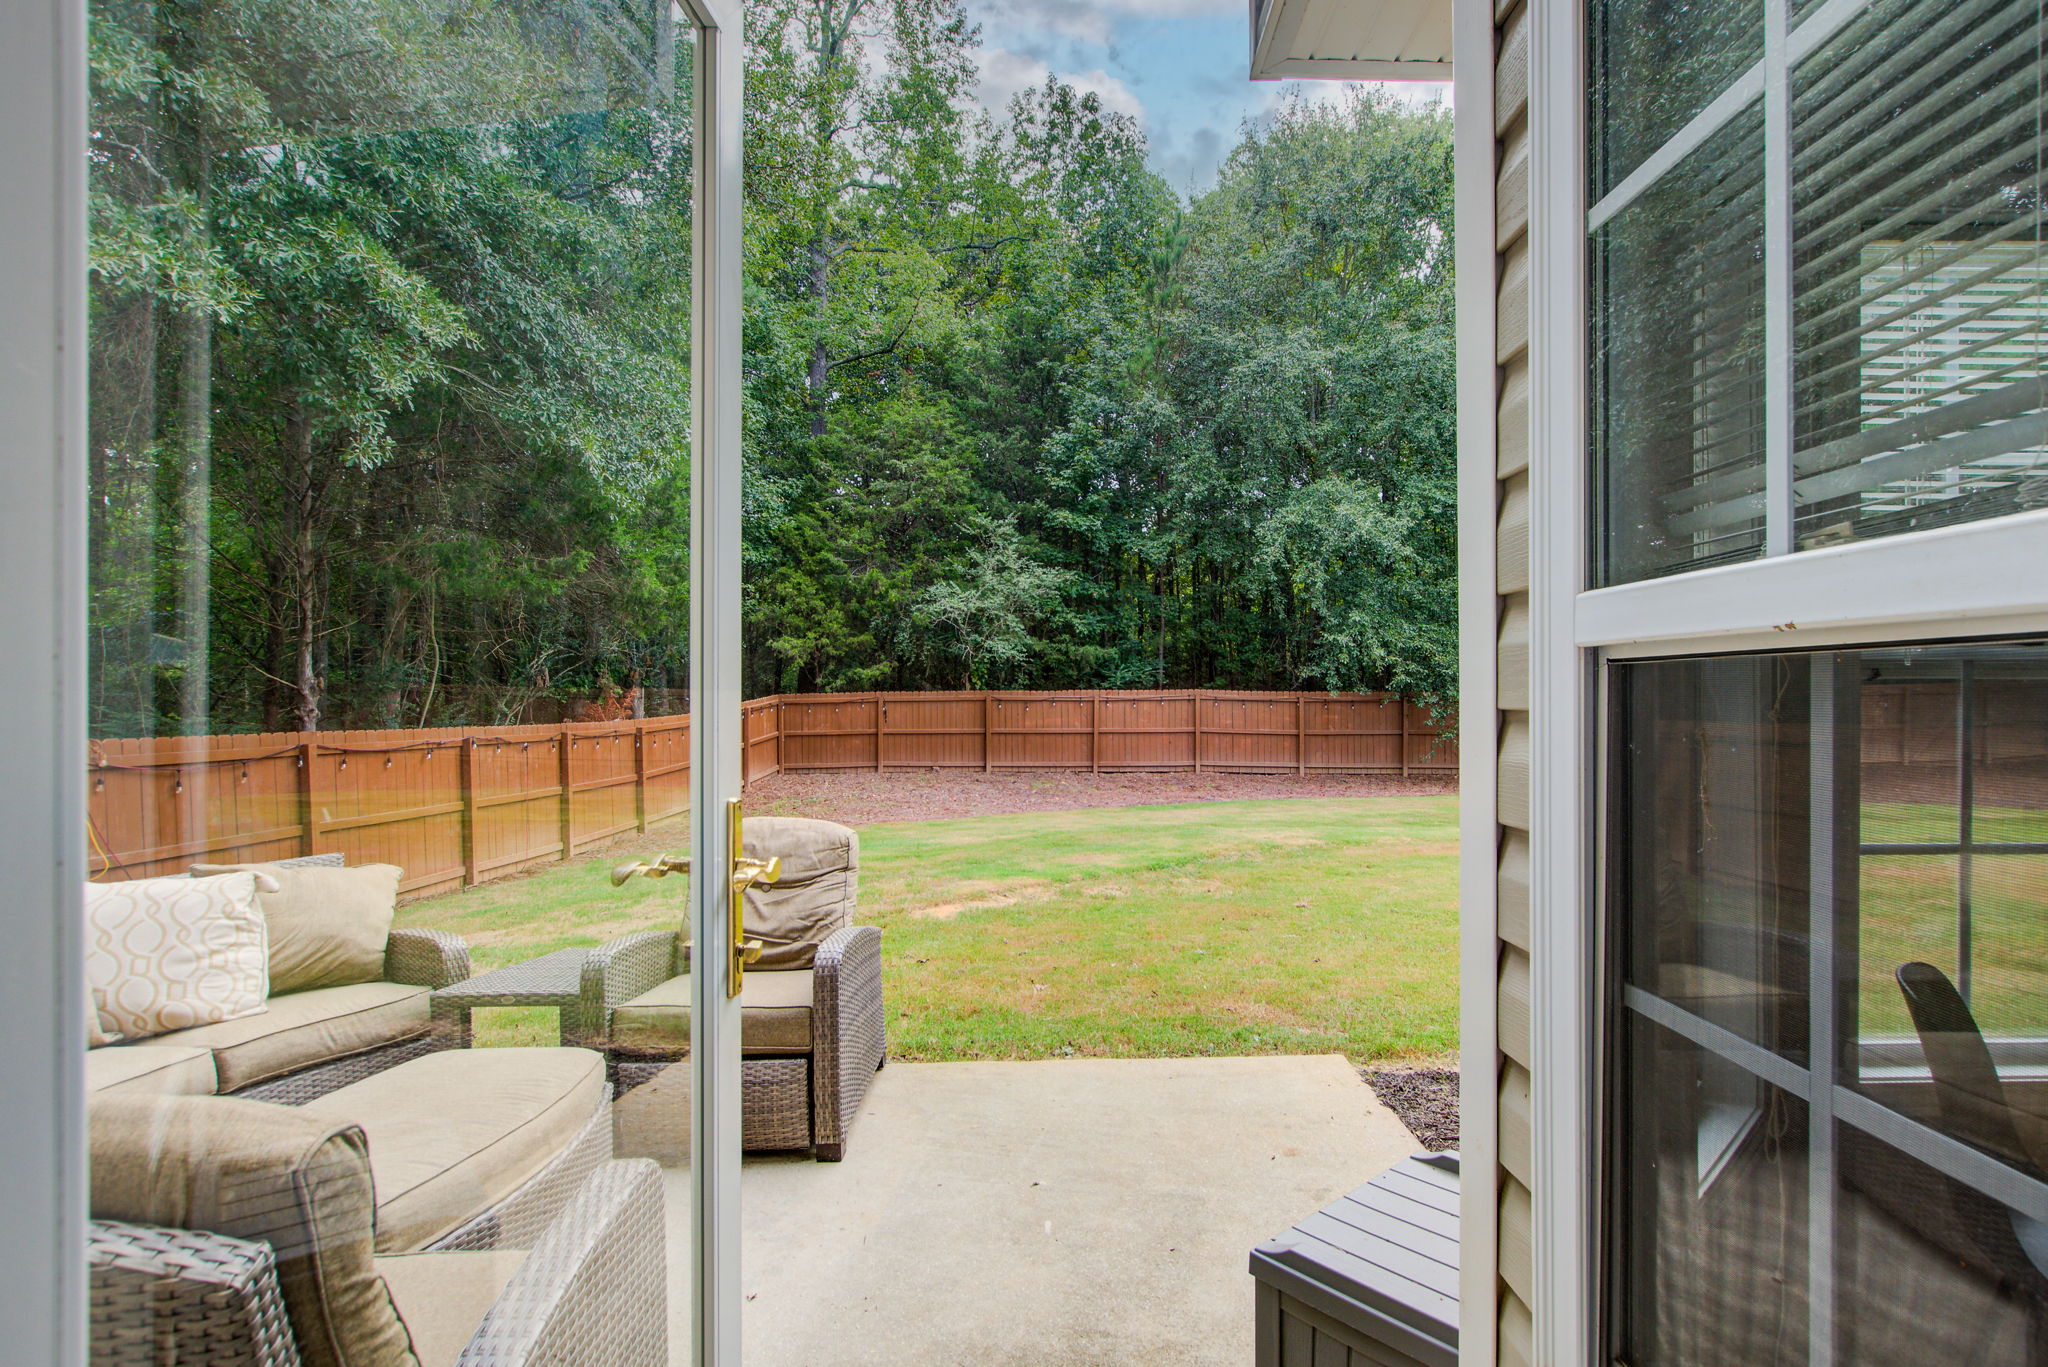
x,y
861,797
1426,1099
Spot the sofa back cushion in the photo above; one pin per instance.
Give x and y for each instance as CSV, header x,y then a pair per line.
x,y
172,953
297,1181
328,925
816,895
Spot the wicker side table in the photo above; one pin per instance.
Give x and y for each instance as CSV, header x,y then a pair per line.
x,y
551,980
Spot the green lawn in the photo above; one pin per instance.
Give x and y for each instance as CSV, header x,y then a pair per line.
x,y
1325,925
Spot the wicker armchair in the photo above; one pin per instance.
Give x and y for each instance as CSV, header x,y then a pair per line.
x,y
589,1293
812,1029
234,1232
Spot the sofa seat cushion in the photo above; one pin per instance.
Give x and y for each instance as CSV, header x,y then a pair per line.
x,y
443,1297
453,1133
154,1069
303,1028
775,1015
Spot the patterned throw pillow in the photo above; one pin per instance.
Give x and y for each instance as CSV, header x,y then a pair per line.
x,y
171,953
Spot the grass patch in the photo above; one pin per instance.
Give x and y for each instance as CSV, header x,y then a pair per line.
x,y
1293,926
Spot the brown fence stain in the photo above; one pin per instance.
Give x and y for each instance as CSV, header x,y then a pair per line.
x,y
457,806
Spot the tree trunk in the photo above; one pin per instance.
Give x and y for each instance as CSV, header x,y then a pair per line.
x,y
195,502
303,557
820,287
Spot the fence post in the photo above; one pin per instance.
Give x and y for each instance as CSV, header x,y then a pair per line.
x,y
466,776
568,796
988,732
878,732
308,751
1195,703
1300,736
1402,703
640,775
1095,732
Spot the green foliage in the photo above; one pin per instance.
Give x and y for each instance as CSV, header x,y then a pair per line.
x,y
391,360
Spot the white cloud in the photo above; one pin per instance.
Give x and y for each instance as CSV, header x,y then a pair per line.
x,y
1080,20
1005,73
1172,9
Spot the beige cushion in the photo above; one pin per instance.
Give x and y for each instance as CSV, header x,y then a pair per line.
x,y
168,953
816,893
775,1015
310,1027
443,1297
297,1181
155,1069
327,925
454,1133
97,1036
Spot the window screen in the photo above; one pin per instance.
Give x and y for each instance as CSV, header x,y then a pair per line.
x,y
1829,1107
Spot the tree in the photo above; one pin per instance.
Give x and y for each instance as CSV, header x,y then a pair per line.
x,y
983,618
391,372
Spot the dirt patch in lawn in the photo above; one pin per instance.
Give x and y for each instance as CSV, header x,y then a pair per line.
x,y
983,896
1426,1099
861,797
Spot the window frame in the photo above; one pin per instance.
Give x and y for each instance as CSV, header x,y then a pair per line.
x,y
1915,586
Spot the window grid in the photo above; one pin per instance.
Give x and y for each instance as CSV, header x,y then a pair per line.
x,y
1837,1056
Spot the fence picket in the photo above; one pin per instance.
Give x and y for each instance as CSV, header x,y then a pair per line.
x,y
154,809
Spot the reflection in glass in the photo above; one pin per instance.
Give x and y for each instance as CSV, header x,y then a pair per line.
x,y
1654,64
1716,893
1921,325
1677,364
1841,858
1713,1209
1929,1269
389,408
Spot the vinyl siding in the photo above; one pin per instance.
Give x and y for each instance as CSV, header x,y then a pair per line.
x,y
1511,352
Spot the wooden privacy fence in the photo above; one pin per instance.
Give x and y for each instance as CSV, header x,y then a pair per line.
x,y
457,806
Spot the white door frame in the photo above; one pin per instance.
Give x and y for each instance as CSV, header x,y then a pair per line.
x,y
42,680
43,1169
716,726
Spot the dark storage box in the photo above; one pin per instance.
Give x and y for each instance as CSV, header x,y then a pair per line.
x,y
1370,1280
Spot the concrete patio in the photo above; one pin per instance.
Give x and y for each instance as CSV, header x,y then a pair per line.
x,y
1071,1213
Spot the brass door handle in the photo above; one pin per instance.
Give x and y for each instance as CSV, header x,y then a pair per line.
x,y
662,867
742,873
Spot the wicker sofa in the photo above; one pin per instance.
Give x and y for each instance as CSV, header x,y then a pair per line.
x,y
811,1021
230,1233
305,1044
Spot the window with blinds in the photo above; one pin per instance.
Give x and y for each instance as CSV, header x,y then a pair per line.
x,y
1907,272
1678,362
1921,327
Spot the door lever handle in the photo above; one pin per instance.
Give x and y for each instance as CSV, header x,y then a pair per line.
x,y
743,872
662,866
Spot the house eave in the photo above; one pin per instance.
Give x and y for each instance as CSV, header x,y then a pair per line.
x,y
1367,40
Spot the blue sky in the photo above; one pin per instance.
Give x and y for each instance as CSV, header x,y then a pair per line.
x,y
1179,66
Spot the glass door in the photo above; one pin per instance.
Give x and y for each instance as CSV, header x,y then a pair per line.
x,y
411,626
